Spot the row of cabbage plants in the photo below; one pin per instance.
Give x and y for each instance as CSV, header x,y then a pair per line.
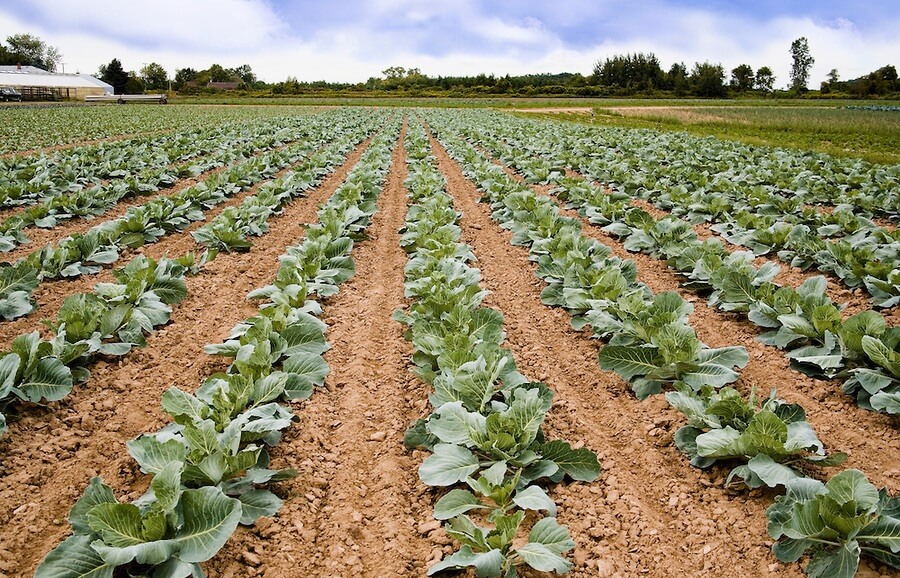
x,y
640,160
85,253
210,464
77,195
31,178
109,321
485,430
650,344
863,350
751,212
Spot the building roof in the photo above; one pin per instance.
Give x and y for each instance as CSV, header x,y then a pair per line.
x,y
36,77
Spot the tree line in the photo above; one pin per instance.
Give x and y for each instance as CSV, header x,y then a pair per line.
x,y
620,75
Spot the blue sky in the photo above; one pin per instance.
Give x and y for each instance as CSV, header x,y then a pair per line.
x,y
349,40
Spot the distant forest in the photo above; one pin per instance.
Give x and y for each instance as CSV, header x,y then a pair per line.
x,y
630,75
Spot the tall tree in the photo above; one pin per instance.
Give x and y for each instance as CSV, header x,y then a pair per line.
x,y
630,73
154,76
29,50
742,78
114,74
708,80
802,62
246,74
219,74
134,84
765,80
677,79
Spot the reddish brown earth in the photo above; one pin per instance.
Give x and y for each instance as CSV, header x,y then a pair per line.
x,y
357,507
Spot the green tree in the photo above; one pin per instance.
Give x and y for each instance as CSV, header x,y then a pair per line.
x,y
114,74
765,79
677,79
832,83
245,73
742,78
219,74
29,50
630,73
183,75
802,62
708,80
154,77
393,73
134,84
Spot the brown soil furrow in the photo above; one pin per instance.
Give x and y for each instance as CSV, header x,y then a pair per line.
x,y
49,454
650,512
357,505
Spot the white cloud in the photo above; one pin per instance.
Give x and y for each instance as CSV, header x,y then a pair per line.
x,y
495,30
228,25
453,37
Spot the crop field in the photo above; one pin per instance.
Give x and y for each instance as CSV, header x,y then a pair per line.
x,y
352,341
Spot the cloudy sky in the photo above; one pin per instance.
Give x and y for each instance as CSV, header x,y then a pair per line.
x,y
352,40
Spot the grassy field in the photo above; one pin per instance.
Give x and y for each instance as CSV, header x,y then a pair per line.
x,y
870,135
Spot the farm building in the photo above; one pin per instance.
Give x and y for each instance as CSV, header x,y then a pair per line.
x,y
38,84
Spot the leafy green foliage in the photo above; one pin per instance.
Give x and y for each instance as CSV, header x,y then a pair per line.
x,y
109,321
772,437
838,522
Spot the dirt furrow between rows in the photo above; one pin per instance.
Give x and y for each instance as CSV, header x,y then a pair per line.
x,y
650,513
356,507
49,454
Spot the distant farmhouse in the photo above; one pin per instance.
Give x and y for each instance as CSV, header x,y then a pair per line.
x,y
38,84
